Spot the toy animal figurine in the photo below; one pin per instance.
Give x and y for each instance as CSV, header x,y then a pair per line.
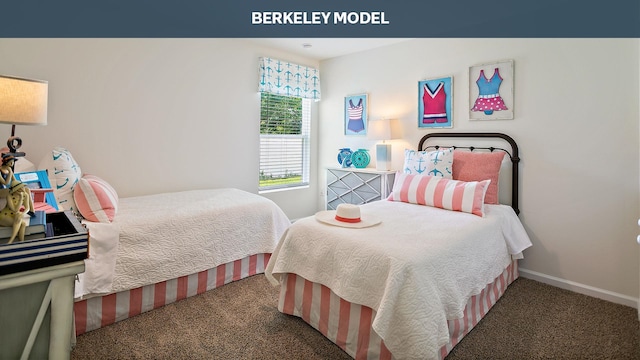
x,y
13,215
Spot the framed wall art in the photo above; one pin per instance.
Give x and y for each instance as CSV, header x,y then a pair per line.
x,y
355,114
491,91
435,103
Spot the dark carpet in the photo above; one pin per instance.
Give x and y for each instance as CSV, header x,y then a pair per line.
x,y
240,321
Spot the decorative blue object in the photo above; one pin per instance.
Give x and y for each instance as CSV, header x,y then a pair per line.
x,y
360,158
344,157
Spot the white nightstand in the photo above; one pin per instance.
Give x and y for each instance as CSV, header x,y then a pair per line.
x,y
357,186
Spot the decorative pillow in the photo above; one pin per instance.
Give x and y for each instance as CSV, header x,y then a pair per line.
x,y
64,173
440,192
95,199
435,163
477,166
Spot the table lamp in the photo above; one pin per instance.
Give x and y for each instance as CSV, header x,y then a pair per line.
x,y
22,102
381,130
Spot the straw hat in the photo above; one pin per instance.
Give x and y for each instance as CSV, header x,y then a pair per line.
x,y
346,215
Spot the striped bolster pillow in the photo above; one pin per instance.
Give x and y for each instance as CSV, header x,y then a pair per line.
x,y
438,192
95,199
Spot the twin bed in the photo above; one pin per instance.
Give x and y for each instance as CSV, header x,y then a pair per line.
x,y
414,285
167,247
410,287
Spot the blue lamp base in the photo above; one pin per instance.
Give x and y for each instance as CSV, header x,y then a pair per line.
x,y
383,157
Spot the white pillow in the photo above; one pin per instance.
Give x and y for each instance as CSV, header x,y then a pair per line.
x,y
433,163
64,173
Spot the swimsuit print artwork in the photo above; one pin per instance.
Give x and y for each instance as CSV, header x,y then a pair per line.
x,y
491,91
355,114
435,98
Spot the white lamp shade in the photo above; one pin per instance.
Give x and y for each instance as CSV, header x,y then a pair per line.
x,y
379,129
23,101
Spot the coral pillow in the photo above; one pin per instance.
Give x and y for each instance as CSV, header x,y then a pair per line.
x,y
440,192
478,166
64,173
95,199
434,163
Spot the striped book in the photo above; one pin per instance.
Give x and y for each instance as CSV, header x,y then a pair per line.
x,y
70,242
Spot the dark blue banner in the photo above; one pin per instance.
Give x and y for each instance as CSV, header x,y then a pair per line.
x,y
288,18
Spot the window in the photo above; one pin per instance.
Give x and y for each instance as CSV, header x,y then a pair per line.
x,y
284,141
286,91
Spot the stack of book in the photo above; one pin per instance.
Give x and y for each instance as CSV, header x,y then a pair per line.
x,y
37,228
63,240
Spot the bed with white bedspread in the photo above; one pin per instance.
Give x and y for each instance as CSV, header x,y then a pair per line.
x,y
408,288
169,246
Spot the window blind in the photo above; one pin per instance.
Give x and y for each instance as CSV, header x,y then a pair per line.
x,y
286,90
285,123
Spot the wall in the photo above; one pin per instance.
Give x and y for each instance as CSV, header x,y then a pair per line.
x,y
155,115
152,115
576,122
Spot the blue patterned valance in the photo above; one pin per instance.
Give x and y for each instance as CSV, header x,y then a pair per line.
x,y
286,78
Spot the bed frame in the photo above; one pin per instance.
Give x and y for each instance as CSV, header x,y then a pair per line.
x,y
513,154
349,325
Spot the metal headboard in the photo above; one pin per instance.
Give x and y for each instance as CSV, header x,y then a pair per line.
x,y
513,154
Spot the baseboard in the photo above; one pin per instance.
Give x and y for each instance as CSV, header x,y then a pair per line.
x,y
581,288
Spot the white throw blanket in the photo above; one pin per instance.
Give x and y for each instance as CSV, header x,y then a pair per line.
x,y
416,269
160,237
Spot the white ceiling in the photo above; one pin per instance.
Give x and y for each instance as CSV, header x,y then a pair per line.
x,y
326,48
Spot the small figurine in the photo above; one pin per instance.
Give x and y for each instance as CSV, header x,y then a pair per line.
x,y
13,215
8,179
19,201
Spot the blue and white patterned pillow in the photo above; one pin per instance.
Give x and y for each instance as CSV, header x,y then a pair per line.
x,y
64,173
433,163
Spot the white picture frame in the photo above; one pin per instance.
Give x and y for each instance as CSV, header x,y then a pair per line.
x,y
491,91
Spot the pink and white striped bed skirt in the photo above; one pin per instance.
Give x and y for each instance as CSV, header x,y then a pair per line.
x,y
348,325
97,312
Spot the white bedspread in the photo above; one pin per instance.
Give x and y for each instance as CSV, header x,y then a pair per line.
x,y
165,236
416,269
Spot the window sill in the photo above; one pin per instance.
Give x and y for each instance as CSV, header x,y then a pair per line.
x,y
268,191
